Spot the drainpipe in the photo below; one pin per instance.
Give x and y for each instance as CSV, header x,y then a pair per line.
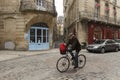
x,y
54,8
53,2
54,5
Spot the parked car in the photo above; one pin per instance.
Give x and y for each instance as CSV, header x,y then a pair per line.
x,y
103,45
118,41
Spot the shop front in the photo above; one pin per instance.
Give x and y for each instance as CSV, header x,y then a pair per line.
x,y
98,31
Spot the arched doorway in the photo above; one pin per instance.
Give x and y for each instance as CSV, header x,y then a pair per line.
x,y
97,33
38,37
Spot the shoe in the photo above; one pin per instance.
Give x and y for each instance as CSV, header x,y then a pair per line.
x,y
75,67
73,62
72,58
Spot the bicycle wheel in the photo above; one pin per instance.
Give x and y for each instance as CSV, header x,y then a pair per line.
x,y
63,64
81,60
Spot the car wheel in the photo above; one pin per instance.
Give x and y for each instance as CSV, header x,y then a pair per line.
x,y
102,50
116,49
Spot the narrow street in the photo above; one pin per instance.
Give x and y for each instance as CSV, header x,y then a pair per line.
x,y
31,31
43,67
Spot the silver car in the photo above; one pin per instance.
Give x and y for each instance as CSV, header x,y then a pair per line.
x,y
103,45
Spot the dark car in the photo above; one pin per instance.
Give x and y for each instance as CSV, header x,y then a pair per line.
x,y
103,45
118,41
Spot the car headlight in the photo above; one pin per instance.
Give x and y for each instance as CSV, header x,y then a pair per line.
x,y
96,46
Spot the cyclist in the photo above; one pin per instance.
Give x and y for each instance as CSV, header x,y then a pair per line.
x,y
73,44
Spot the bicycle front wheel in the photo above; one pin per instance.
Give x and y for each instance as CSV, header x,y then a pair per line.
x,y
81,60
63,64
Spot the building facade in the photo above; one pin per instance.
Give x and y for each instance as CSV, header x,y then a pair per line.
x,y
58,32
60,28
92,19
27,24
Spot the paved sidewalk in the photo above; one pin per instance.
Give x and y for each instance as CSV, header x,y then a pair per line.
x,y
6,55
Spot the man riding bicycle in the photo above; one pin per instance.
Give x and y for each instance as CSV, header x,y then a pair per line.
x,y
73,44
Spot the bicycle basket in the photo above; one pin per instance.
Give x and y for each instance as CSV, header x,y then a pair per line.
x,y
62,48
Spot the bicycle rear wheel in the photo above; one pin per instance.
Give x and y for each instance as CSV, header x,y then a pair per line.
x,y
81,60
63,64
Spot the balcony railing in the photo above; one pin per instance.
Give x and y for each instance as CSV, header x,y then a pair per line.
x,y
32,6
102,18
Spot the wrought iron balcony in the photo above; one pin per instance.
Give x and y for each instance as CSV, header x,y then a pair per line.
x,y
88,15
33,6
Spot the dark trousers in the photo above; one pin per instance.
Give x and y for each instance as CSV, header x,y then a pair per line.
x,y
75,57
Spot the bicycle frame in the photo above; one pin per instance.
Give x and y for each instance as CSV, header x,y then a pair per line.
x,y
67,55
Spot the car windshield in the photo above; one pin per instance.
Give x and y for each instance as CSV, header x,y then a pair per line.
x,y
99,41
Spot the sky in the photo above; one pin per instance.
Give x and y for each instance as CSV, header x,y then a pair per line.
x,y
59,7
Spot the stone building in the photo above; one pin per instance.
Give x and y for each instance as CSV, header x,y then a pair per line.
x,y
27,24
60,28
58,32
90,19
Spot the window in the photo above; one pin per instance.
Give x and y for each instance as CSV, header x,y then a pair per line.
x,y
107,11
32,35
114,13
39,37
114,2
44,36
110,42
99,41
40,3
97,8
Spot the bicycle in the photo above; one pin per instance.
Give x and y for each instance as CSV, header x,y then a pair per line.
x,y
65,61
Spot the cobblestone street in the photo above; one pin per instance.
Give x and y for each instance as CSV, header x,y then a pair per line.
x,y
43,66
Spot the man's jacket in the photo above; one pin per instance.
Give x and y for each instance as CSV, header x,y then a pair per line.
x,y
75,45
